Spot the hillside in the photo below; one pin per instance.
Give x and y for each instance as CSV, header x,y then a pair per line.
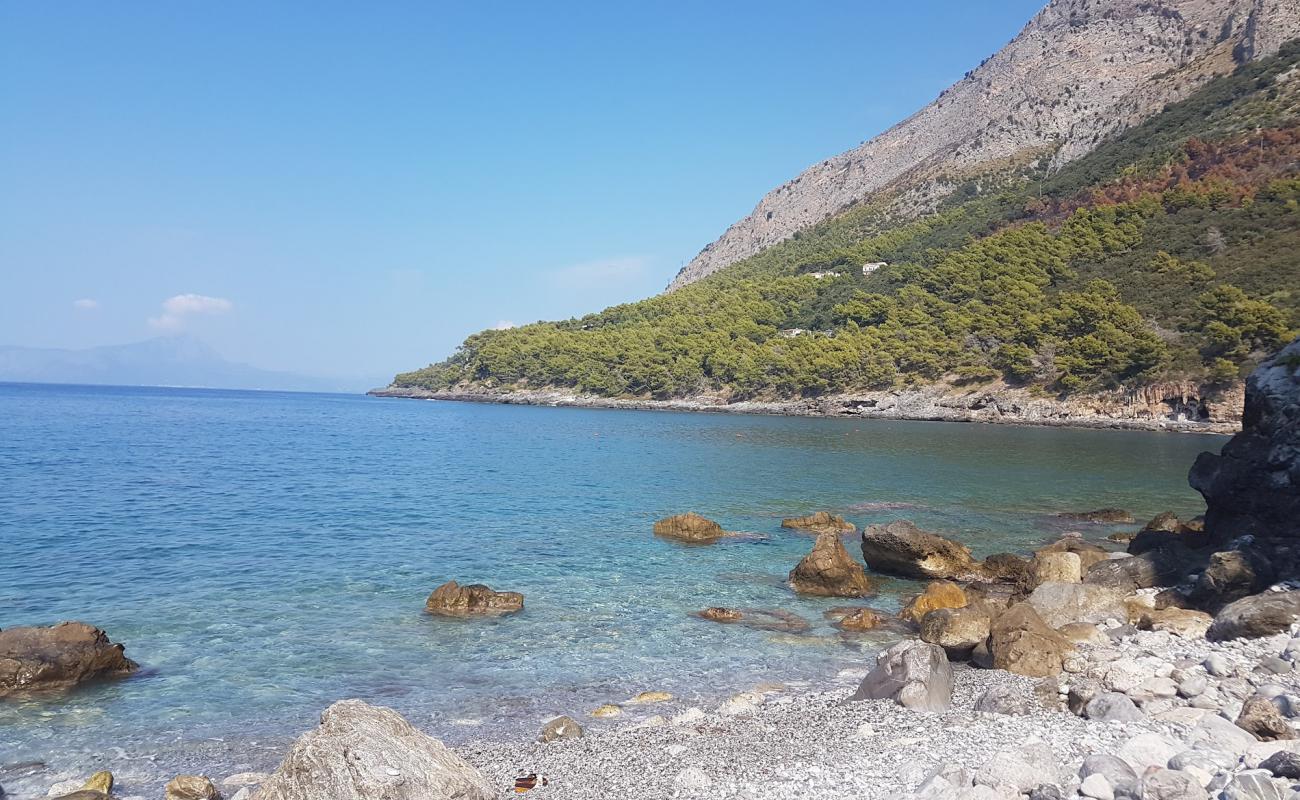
x,y
1080,71
1167,256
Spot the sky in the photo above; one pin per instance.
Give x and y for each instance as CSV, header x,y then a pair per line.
x,y
349,189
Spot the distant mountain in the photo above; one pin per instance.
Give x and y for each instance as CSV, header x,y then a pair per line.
x,y
1080,71
164,361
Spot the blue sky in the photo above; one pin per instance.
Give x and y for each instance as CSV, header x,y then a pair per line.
x,y
348,189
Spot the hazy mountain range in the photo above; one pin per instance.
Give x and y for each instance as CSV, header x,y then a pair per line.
x,y
163,361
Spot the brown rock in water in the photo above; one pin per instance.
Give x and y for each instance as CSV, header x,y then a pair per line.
x,y
364,752
900,548
937,594
1088,553
99,787
861,619
957,630
829,571
1261,718
690,528
453,600
820,522
763,619
1109,516
1020,642
720,614
59,656
191,787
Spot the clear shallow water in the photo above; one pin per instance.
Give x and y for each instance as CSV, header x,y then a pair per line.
x,y
263,555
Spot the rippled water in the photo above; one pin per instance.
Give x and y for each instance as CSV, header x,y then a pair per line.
x,y
263,554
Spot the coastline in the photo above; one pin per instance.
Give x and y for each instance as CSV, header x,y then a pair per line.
x,y
1152,408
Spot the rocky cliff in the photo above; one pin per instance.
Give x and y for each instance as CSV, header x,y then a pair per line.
x,y
1079,71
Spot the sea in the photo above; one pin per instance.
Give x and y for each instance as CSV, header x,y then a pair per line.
x,y
263,555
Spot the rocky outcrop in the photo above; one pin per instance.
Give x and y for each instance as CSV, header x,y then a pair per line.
x,y
829,571
915,674
59,656
1252,487
690,528
1078,72
900,548
365,752
453,600
1021,642
820,522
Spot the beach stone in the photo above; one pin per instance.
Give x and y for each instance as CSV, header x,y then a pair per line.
x,y
862,619
1006,700
1055,567
1112,707
561,727
1179,621
1080,693
246,793
1255,784
1128,575
937,595
690,528
1021,770
1062,603
1283,764
742,705
1193,686
900,548
1230,575
1114,769
1259,615
692,779
1020,642
914,674
1088,553
606,711
1261,718
829,571
98,787
690,716
1214,732
453,600
1082,633
1047,791
1097,786
1217,664
1148,750
365,752
58,656
1167,784
190,787
652,697
956,630
820,522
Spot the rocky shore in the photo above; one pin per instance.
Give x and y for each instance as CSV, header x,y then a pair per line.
x,y
1186,407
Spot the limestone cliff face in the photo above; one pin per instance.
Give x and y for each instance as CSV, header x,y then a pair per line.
x,y
1079,71
1252,488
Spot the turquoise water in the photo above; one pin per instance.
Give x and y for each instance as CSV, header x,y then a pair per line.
x,y
263,555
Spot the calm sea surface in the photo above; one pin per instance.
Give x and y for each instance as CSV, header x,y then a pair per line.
x,y
263,554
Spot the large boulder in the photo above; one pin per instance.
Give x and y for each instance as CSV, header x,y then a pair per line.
x,y
1166,529
1054,566
829,571
1087,552
1020,642
1258,615
937,594
1060,604
1252,487
957,630
900,548
59,656
1231,575
820,522
365,752
690,528
453,600
915,674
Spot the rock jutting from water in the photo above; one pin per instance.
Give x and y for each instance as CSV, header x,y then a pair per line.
x,y
453,600
829,571
58,657
820,522
900,548
690,528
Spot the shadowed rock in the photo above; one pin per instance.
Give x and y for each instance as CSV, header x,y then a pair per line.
x,y
915,674
190,787
453,600
690,528
820,522
59,656
365,752
900,548
1255,616
860,619
829,571
957,630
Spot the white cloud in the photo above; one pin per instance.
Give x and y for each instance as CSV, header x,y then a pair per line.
x,y
597,273
177,308
504,325
85,304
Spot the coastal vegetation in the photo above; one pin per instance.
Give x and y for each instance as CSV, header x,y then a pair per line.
x,y
1168,252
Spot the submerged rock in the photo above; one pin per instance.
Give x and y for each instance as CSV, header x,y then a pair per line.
x,y
689,527
365,752
763,619
900,548
915,674
861,619
1111,516
453,600
820,522
59,656
829,571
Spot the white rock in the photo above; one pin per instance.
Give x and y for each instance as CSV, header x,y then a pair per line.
x,y
1097,787
692,779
